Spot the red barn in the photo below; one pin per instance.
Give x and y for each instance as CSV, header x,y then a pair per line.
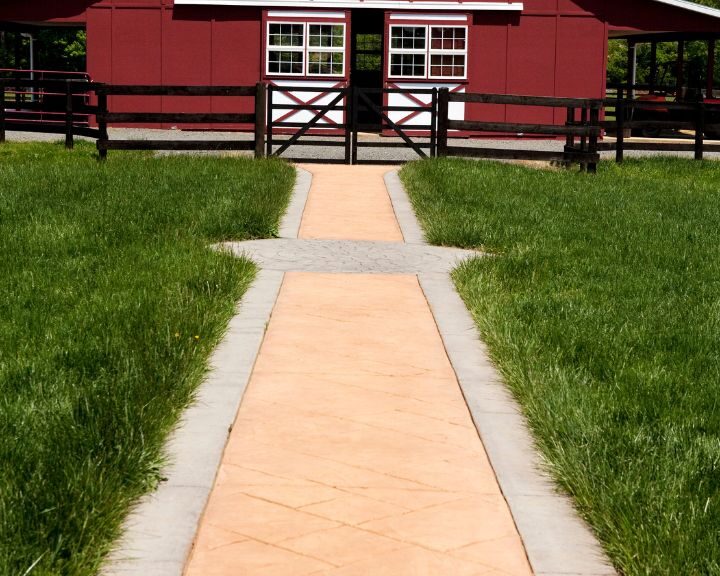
x,y
532,47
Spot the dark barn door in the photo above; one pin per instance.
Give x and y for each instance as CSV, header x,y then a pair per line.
x,y
367,61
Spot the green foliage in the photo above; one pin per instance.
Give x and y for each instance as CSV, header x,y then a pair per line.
x,y
111,301
55,49
600,305
695,69
62,50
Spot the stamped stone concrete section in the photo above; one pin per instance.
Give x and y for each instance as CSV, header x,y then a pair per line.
x,y
349,256
349,203
353,452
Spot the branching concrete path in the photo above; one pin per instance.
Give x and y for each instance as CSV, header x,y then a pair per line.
x,y
354,451
357,446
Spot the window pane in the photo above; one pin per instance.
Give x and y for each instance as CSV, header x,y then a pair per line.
x,y
408,38
368,42
447,65
325,63
407,65
447,38
285,35
326,36
285,62
368,62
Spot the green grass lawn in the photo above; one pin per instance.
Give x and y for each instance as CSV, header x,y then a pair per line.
x,y
601,307
110,304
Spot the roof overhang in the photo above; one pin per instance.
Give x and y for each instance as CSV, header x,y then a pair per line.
x,y
686,5
382,4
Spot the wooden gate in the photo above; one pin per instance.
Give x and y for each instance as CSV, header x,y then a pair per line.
x,y
317,112
406,129
328,117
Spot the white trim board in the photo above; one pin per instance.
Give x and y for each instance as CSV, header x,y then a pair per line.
x,y
300,14
424,5
685,5
432,17
384,4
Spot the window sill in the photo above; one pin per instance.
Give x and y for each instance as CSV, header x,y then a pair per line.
x,y
305,78
428,80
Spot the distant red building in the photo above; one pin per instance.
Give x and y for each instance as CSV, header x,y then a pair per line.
x,y
532,47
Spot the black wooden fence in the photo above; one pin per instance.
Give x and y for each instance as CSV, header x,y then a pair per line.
x,y
581,129
256,118
624,116
44,115
47,106
64,107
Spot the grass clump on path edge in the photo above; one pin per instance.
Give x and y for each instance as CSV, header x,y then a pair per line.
x,y
601,307
111,302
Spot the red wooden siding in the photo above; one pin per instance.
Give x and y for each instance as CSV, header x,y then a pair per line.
x,y
487,52
156,44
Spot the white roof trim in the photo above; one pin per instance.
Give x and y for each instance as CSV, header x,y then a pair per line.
x,y
385,4
685,5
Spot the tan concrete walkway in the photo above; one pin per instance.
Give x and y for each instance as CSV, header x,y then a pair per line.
x,y
349,203
353,451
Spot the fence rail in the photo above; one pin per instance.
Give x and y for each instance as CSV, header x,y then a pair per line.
x,y
701,118
583,122
257,118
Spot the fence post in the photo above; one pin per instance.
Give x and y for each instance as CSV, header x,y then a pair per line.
x,y
584,120
349,116
570,139
69,141
699,130
260,119
620,130
433,123
3,86
442,121
102,121
269,138
593,143
355,106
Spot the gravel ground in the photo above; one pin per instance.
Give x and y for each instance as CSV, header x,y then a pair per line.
x,y
337,152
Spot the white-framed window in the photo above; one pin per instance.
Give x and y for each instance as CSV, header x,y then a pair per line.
x,y
448,51
305,49
286,48
408,51
435,52
326,50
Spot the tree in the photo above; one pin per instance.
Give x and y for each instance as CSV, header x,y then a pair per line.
x,y
55,49
63,49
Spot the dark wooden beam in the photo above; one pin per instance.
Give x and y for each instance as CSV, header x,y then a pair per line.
x,y
666,36
680,68
653,66
710,69
631,68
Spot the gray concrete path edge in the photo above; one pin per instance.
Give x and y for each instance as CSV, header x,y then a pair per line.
x,y
290,226
557,540
160,530
404,213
